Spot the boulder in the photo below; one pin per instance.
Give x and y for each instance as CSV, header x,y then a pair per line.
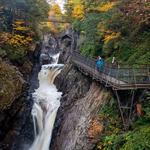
x,y
11,84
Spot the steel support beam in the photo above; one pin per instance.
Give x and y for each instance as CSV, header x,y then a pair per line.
x,y
128,109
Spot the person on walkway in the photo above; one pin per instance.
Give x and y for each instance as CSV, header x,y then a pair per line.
x,y
115,63
100,64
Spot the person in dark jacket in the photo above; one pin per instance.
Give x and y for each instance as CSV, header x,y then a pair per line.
x,y
100,64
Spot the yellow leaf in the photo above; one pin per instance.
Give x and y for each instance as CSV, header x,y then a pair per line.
x,y
107,6
78,12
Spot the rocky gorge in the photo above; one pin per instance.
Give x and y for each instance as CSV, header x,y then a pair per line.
x,y
86,111
55,94
77,116
78,125
15,105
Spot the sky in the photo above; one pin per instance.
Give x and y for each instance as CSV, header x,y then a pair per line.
x,y
60,3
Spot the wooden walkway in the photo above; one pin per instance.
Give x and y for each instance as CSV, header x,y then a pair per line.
x,y
116,78
119,79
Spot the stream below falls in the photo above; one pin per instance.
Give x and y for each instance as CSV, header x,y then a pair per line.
x,y
46,100
46,103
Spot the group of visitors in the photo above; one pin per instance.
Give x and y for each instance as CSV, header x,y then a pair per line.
x,y
100,64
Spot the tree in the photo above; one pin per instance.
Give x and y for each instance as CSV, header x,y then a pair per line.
x,y
78,12
20,25
55,14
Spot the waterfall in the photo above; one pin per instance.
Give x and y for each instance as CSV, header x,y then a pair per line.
x,y
46,103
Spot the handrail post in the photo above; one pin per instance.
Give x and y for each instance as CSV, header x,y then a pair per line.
x,y
104,73
134,77
132,101
87,61
110,70
117,75
148,73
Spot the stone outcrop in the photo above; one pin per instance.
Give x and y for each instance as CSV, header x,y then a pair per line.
x,y
11,101
77,117
11,85
15,102
77,125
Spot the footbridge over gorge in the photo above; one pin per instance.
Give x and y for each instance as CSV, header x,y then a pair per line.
x,y
120,79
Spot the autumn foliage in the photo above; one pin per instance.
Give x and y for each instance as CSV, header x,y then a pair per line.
x,y
95,128
78,12
55,18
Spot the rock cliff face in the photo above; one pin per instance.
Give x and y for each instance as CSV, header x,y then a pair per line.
x,y
15,106
77,126
11,84
12,103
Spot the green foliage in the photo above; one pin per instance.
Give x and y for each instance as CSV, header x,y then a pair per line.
x,y
90,45
133,52
2,53
110,109
32,12
137,138
16,54
20,26
110,115
77,25
115,28
11,85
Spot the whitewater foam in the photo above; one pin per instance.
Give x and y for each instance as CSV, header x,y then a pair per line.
x,y
46,104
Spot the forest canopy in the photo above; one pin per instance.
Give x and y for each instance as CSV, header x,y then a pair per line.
x,y
20,26
112,28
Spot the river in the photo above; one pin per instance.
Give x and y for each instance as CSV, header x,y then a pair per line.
x,y
46,102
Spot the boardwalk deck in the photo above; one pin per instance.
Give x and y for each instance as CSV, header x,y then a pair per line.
x,y
118,79
128,79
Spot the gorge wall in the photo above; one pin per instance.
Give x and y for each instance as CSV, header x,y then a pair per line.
x,y
15,106
77,125
89,117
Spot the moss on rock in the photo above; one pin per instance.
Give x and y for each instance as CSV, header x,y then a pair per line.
x,y
11,84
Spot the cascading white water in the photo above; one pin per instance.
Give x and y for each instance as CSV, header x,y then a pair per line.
x,y
55,58
46,103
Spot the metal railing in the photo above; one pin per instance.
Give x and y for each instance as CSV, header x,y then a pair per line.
x,y
128,77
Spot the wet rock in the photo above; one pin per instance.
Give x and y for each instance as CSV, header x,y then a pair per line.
x,y
11,85
15,106
77,126
26,68
81,101
65,54
3,53
45,59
